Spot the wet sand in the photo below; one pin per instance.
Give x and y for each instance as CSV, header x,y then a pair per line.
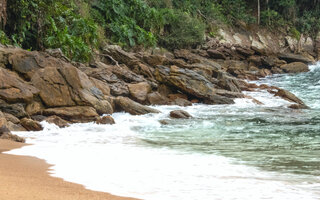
x,y
27,178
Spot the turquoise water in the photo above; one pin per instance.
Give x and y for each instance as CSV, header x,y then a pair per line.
x,y
240,151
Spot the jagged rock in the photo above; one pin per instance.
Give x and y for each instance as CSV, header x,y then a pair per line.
x,y
121,56
245,51
132,107
139,91
25,62
30,124
13,89
191,83
156,98
289,96
16,109
292,43
214,54
57,121
102,86
154,60
295,67
73,114
106,120
180,114
290,57
119,89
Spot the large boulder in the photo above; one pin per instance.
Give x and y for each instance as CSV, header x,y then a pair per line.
x,y
68,86
191,83
13,89
132,107
139,91
73,114
295,67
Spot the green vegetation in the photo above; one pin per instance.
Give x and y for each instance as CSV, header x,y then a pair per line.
x,y
79,26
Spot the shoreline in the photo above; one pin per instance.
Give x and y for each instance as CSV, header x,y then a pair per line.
x,y
28,178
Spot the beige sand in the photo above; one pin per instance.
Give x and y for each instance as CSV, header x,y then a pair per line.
x,y
26,178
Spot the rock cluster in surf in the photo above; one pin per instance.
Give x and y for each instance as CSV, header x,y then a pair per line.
x,y
37,86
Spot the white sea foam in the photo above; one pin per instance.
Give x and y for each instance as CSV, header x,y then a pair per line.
x,y
115,159
314,67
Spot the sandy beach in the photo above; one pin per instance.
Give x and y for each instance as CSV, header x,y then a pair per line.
x,y
27,178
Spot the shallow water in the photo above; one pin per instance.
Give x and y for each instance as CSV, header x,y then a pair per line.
x,y
240,151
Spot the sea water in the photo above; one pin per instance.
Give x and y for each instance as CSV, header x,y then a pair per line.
x,y
243,151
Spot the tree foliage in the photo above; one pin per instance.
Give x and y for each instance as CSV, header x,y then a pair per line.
x,y
78,26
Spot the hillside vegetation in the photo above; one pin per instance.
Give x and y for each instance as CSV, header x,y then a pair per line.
x,y
79,26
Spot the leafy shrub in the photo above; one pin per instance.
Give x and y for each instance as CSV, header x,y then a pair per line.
x,y
39,24
181,30
3,38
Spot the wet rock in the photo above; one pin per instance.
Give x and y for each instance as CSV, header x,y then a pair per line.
x,y
74,114
290,57
31,125
164,121
61,123
139,91
298,106
132,107
180,114
105,120
295,67
289,96
13,89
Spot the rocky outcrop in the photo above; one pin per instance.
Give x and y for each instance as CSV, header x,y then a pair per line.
x,y
289,96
